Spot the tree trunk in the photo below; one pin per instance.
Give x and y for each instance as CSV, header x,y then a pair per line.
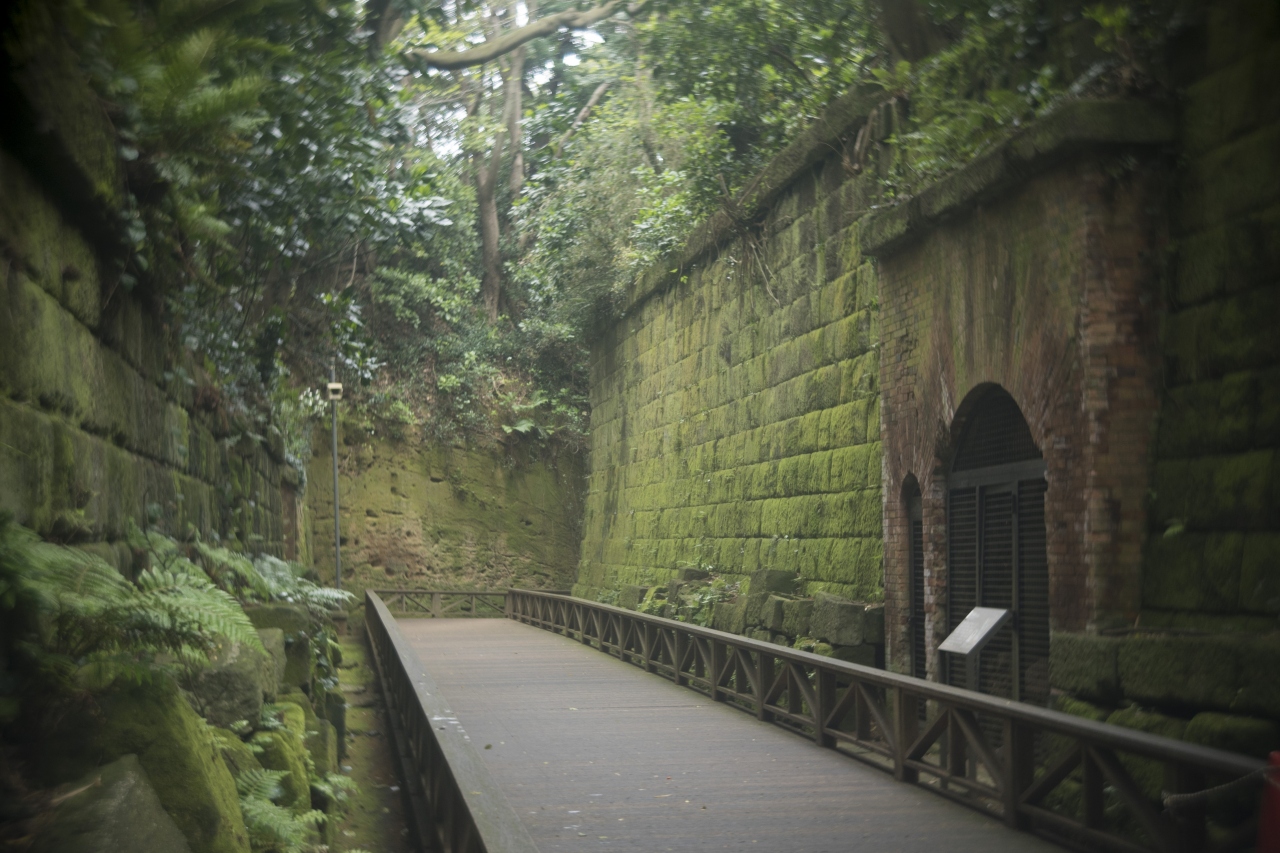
x,y
490,239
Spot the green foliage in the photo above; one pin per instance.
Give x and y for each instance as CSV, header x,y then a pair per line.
x,y
698,600
86,625
284,582
272,827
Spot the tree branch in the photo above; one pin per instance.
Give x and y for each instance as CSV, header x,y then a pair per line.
x,y
450,60
582,116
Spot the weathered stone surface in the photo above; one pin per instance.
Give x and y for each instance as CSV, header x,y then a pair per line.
x,y
630,596
864,655
1246,735
773,580
812,644
837,619
280,749
232,686
873,624
796,617
1226,672
322,745
172,743
755,611
333,703
237,754
1148,773
761,634
290,618
773,613
116,809
273,675
730,615
1084,664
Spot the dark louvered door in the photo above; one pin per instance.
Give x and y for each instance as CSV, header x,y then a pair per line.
x,y
962,567
997,549
995,586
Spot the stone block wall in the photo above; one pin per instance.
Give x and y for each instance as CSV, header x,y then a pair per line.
x,y
98,421
1213,558
735,409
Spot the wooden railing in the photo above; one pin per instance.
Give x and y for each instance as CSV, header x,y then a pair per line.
x,y
454,805
1082,783
439,603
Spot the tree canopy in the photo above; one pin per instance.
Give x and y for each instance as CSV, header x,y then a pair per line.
x,y
447,197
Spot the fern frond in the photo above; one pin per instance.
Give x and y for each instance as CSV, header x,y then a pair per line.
x,y
261,784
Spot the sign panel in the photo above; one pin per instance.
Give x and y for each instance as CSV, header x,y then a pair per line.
x,y
975,630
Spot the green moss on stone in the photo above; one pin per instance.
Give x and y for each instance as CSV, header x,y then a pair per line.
x,y
182,761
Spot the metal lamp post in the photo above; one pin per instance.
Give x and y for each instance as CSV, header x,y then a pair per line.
x,y
334,393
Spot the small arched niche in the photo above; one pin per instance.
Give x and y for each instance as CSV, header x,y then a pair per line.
x,y
996,544
913,507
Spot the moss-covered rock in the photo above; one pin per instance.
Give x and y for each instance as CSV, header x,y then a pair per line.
x,y
230,688
289,618
238,755
277,660
797,616
837,619
116,809
182,761
322,746
280,749
335,711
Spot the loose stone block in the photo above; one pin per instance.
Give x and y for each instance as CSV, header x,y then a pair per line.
x,y
630,596
116,809
837,619
864,655
231,687
797,616
773,580
773,610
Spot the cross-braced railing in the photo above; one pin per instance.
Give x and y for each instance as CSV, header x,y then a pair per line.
x,y
440,603
1090,785
453,804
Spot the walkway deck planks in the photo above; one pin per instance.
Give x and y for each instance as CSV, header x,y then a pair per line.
x,y
595,754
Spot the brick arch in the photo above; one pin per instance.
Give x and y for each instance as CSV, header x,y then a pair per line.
x,y
996,542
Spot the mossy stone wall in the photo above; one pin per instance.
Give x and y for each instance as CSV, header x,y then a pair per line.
x,y
99,423
1213,556
735,408
416,516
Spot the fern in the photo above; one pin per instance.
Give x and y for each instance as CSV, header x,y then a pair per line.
x,y
286,585
271,826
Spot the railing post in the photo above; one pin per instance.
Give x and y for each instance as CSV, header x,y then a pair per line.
x,y
764,671
905,722
1181,779
435,605
1019,770
717,664
508,610
824,694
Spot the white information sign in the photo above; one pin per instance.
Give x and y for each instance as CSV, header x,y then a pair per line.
x,y
975,630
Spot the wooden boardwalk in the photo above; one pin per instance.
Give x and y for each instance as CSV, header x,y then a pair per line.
x,y
595,754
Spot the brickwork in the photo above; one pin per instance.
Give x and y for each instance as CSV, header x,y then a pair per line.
x,y
1045,293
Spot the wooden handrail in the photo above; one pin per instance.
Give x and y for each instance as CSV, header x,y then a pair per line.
x,y
1003,757
454,804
